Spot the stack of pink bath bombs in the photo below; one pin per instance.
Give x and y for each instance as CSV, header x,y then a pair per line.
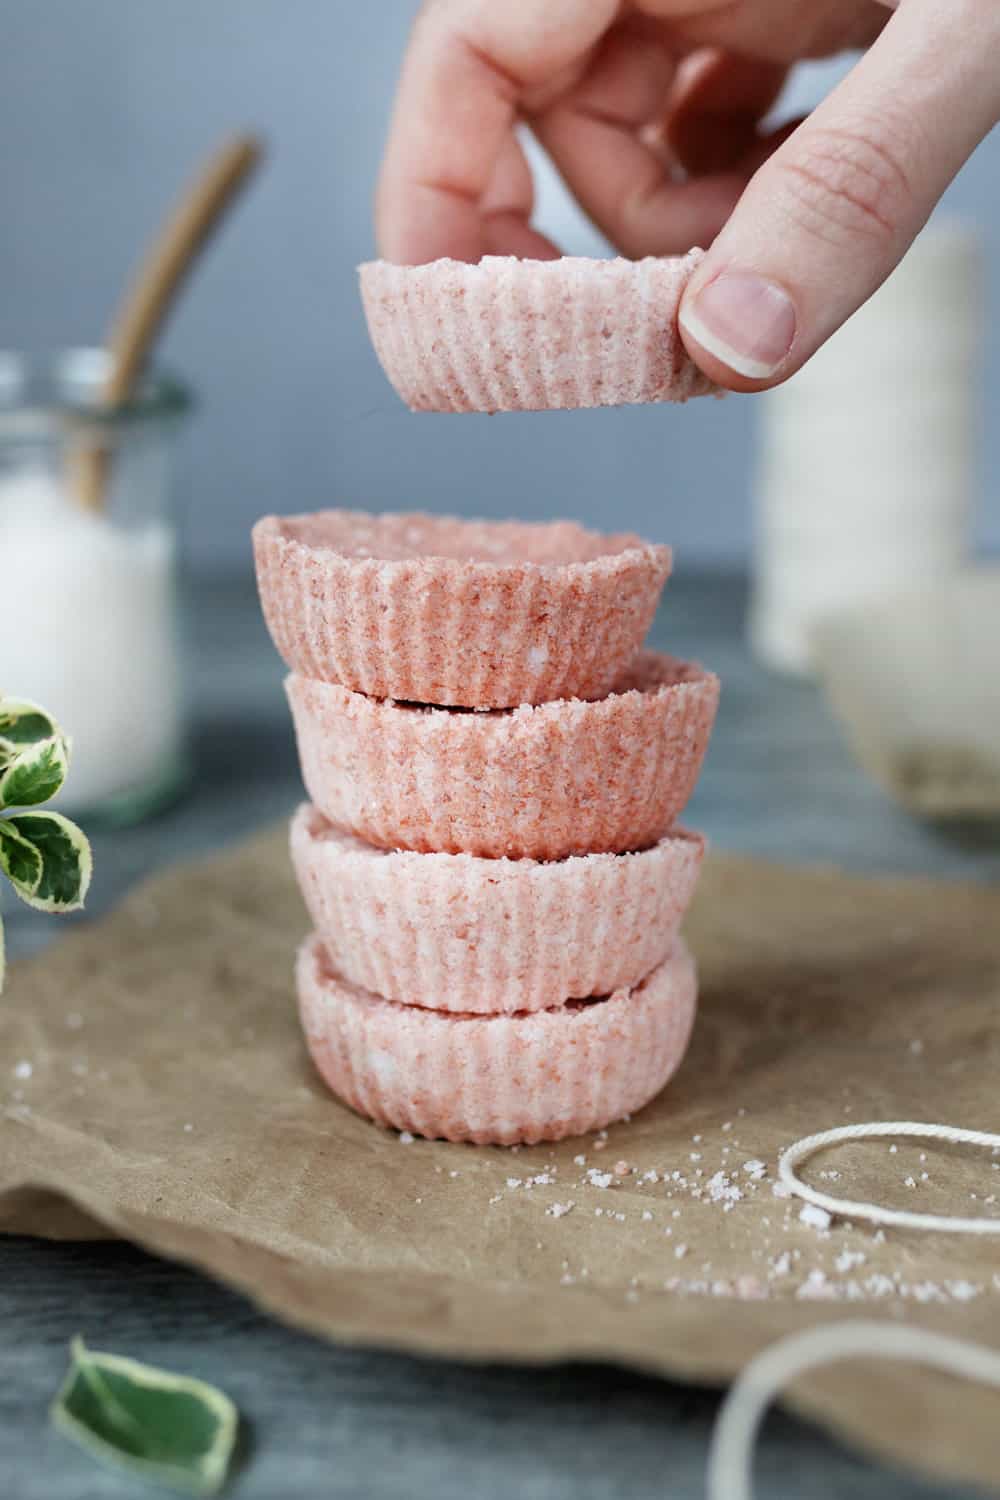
x,y
490,856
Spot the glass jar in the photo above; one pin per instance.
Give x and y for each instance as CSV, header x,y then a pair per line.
x,y
89,616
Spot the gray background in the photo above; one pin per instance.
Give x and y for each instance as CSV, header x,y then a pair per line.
x,y
104,110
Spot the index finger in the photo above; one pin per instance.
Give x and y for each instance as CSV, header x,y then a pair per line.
x,y
468,67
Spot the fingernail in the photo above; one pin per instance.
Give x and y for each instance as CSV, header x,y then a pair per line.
x,y
746,322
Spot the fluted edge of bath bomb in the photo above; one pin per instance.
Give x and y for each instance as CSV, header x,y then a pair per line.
x,y
458,933
562,778
434,609
526,335
497,1080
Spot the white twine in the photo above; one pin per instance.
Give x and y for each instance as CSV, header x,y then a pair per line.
x,y
731,1456
874,1212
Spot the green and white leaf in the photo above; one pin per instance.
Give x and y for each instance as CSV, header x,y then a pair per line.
x,y
20,861
23,723
169,1429
65,856
36,774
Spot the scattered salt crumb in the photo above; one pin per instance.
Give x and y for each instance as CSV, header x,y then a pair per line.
x,y
514,1182
962,1291
406,1138
680,1251
830,1174
23,1070
622,1169
454,1174
599,1145
646,1215
916,1047
695,1156
782,1264
560,1210
727,1125
721,1189
847,1260
188,1127
878,1238
815,1286
497,1198
818,1218
780,1190
696,1140
893,1149
909,1182
418,1200
755,1169
651,1176
599,1179
580,1161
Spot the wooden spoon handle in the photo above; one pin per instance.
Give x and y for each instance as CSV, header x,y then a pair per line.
x,y
160,277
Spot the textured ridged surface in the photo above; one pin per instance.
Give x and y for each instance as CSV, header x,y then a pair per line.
x,y
523,335
457,933
497,1080
539,783
469,613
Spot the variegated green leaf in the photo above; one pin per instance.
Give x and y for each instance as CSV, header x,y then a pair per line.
x,y
23,723
35,775
65,856
168,1429
20,861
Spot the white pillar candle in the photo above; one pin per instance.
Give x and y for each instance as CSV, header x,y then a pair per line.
x,y
867,457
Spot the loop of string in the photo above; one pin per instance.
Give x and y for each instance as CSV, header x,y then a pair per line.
x,y
845,1208
731,1455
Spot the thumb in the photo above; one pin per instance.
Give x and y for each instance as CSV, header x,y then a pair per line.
x,y
832,212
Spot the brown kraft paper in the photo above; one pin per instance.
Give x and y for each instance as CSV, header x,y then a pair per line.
x,y
154,1085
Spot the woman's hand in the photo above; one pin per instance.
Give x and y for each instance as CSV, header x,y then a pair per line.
x,y
651,111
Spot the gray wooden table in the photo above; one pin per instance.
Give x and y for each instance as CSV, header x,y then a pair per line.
x,y
328,1422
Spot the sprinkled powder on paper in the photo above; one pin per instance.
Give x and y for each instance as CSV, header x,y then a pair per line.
x,y
818,1218
405,1138
23,1070
559,1210
680,1251
599,1179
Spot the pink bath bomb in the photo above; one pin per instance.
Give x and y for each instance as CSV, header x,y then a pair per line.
x,y
526,335
499,1079
562,778
477,614
454,932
